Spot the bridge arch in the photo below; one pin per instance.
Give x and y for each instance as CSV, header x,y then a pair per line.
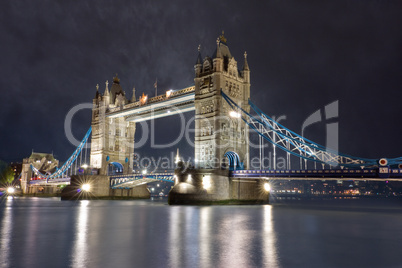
x,y
234,160
115,168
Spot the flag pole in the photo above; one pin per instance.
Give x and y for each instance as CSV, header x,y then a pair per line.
x,y
156,87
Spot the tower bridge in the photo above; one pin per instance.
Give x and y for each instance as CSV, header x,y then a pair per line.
x,y
224,116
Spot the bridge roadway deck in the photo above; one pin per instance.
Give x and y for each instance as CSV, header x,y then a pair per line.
x,y
58,181
132,180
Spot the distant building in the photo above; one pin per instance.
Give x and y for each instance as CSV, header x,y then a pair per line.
x,y
17,168
45,163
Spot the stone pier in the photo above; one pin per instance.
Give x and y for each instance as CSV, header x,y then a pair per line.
x,y
214,186
99,188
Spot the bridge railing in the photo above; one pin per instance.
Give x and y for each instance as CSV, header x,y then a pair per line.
x,y
156,99
117,181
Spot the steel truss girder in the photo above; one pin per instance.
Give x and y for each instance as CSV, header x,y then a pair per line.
x,y
68,163
293,143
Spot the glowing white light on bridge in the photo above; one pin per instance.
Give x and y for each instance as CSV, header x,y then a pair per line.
x,y
189,178
267,187
84,166
169,93
86,187
10,190
234,114
144,172
206,182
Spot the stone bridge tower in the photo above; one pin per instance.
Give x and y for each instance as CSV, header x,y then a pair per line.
x,y
219,133
112,145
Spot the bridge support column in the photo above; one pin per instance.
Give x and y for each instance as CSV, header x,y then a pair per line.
x,y
215,186
26,177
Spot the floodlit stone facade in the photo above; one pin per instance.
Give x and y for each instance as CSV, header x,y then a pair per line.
x,y
112,145
217,131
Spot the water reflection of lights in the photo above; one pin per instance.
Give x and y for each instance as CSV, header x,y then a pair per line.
x,y
237,242
222,237
205,237
5,236
269,239
79,257
175,233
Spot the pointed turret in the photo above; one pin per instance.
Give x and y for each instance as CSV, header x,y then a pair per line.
x,y
177,156
245,67
222,38
199,58
106,95
107,88
198,64
97,91
116,80
218,59
133,98
115,90
218,49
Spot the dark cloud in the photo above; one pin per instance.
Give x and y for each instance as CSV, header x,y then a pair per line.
x,y
302,56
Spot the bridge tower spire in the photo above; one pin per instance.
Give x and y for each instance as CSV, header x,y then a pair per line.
x,y
217,132
133,98
112,144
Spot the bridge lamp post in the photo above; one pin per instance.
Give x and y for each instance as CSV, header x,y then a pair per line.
x,y
206,182
234,114
267,187
10,190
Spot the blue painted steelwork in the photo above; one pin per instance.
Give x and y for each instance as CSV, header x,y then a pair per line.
x,y
116,182
283,138
68,163
118,166
234,160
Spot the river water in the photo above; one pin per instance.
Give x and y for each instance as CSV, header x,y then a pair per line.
x,y
47,232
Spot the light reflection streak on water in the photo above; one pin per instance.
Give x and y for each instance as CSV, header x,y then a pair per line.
x,y
269,239
33,225
191,236
5,234
79,257
174,238
235,241
205,237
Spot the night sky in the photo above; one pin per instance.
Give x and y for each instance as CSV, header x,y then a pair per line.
x,y
302,57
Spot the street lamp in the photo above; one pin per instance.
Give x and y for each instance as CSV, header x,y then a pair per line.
x,y
10,190
267,187
234,114
86,187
